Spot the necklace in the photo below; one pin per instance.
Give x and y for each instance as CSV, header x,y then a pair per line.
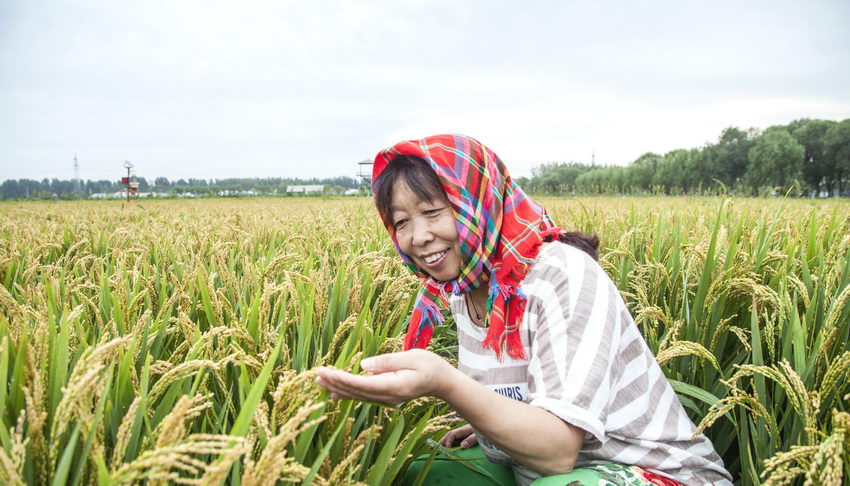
x,y
474,307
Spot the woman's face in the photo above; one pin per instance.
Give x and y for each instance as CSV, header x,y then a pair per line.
x,y
426,232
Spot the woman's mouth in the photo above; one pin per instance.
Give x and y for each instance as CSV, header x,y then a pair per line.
x,y
436,259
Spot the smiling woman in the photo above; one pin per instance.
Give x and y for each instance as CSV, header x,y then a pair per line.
x,y
554,379
415,204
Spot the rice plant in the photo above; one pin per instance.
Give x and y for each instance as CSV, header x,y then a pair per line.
x,y
173,343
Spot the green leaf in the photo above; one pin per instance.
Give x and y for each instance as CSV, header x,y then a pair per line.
x,y
314,469
692,391
379,467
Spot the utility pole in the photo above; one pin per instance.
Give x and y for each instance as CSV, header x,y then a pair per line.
x,y
76,174
129,166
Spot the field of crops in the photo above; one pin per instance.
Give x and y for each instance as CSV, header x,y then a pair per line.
x,y
172,341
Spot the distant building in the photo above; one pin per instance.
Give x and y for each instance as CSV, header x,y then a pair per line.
x,y
139,195
111,195
228,192
308,189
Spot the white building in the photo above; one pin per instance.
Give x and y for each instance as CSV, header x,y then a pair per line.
x,y
228,192
111,195
308,189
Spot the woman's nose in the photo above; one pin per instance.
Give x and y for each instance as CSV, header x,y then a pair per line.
x,y
422,233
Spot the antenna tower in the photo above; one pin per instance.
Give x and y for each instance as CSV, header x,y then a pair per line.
x,y
76,174
365,172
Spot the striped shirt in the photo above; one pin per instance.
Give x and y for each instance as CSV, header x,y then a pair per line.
x,y
589,365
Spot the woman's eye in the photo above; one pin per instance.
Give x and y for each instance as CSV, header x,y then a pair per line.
x,y
432,212
399,223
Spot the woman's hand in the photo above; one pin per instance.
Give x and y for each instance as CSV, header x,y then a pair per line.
x,y
394,378
532,436
465,435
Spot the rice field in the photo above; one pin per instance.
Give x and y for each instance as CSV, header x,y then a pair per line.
x,y
172,342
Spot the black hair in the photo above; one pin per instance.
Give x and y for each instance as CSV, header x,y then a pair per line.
x,y
420,177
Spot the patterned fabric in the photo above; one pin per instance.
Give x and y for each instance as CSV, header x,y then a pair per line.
x,y
610,474
500,231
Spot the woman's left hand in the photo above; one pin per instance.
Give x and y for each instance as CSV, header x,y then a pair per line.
x,y
394,378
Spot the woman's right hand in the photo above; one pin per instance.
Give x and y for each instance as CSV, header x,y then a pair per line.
x,y
464,435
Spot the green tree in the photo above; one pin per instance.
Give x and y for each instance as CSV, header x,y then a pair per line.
x,y
836,143
818,169
729,155
670,172
698,174
596,181
641,172
776,160
557,176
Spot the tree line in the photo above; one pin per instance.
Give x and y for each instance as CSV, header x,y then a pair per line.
x,y
67,189
804,157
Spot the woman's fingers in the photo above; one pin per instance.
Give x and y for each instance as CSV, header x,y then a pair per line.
x,y
394,377
341,390
460,434
384,363
381,388
469,441
448,440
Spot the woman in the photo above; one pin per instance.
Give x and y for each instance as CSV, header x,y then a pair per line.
x,y
553,376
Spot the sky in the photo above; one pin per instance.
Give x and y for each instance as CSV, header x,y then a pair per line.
x,y
282,88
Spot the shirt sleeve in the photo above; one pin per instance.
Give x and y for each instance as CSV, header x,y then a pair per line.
x,y
573,348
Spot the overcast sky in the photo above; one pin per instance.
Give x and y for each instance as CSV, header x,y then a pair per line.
x,y
213,89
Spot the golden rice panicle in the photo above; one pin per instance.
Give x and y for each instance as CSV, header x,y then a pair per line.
x,y
35,399
737,397
217,471
284,384
341,333
344,467
441,423
831,327
293,390
85,382
160,366
173,427
178,462
743,336
788,466
11,465
260,420
122,438
722,326
650,315
273,463
827,466
821,464
181,371
391,345
18,313
686,348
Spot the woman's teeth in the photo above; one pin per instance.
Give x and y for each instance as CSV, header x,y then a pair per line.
x,y
433,258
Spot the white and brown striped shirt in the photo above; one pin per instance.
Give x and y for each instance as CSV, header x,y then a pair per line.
x,y
589,365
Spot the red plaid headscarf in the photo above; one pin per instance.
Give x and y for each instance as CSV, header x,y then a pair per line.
x,y
500,231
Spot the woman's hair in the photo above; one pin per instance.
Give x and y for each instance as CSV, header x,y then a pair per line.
x,y
423,181
419,177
